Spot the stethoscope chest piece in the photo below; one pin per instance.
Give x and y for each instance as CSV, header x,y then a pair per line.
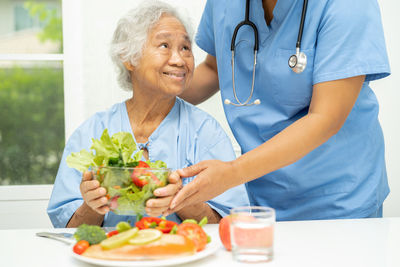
x,y
298,62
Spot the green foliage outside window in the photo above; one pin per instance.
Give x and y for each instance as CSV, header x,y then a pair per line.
x,y
32,109
50,18
31,124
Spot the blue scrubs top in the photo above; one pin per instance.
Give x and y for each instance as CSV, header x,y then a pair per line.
x,y
346,176
186,136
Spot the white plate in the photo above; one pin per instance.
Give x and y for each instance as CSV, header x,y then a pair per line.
x,y
211,248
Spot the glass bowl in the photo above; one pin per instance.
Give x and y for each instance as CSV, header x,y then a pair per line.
x,y
128,189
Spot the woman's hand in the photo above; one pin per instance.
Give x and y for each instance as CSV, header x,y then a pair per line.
x,y
94,195
158,206
213,178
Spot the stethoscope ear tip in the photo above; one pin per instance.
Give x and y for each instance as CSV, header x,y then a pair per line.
x,y
228,102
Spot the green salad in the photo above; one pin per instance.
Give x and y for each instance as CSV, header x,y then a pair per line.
x,y
129,181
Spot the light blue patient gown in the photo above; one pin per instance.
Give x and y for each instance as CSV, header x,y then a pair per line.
x,y
346,176
186,136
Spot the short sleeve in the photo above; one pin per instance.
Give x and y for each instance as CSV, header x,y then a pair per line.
x,y
350,42
205,32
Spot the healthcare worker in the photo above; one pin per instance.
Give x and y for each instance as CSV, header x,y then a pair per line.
x,y
312,146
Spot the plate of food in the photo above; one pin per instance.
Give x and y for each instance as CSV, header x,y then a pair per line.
x,y
152,242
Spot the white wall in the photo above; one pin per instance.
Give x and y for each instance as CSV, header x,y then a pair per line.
x,y
24,206
388,93
90,78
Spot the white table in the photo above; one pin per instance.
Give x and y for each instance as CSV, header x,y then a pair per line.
x,y
338,243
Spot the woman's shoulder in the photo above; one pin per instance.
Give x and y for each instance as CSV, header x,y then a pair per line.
x,y
116,110
199,122
96,123
195,115
206,134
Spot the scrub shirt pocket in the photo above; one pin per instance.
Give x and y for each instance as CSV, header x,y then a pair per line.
x,y
290,88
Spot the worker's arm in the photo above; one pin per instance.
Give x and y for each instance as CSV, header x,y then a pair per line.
x,y
331,103
204,83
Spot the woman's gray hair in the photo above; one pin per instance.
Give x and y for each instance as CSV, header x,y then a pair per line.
x,y
131,33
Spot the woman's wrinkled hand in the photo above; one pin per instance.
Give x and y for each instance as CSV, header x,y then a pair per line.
x,y
160,205
94,195
213,177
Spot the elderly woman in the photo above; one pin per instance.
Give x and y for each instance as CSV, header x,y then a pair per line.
x,y
152,50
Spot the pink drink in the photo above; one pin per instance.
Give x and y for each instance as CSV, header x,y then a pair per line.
x,y
252,234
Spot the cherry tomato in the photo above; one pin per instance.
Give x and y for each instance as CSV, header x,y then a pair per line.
x,y
143,164
138,179
164,226
81,246
195,233
140,176
110,234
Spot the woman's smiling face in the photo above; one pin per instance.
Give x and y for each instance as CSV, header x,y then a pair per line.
x,y
167,63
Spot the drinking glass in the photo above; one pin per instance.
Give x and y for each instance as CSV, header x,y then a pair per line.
x,y
252,234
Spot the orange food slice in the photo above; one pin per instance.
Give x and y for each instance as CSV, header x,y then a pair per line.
x,y
168,246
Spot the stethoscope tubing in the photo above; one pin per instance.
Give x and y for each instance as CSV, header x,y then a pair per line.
x,y
246,21
301,26
297,62
245,103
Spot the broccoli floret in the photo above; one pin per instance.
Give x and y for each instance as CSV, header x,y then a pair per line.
x,y
91,233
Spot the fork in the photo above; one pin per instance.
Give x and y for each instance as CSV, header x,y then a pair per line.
x,y
66,238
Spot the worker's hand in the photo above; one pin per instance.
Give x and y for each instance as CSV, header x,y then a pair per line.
x,y
94,195
213,178
158,206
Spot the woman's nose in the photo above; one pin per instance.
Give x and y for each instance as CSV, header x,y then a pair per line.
x,y
176,59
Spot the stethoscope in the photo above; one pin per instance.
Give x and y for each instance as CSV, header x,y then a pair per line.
x,y
297,62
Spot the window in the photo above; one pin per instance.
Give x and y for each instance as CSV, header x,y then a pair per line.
x,y
31,91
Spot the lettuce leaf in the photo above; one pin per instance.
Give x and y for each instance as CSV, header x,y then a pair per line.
x,y
114,151
125,144
81,160
157,164
105,147
116,177
138,155
133,203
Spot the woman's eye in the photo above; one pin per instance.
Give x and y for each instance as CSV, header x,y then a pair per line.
x,y
164,45
186,48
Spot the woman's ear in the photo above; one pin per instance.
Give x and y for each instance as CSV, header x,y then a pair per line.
x,y
129,66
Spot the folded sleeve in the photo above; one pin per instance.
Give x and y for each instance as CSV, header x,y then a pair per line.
x,y
205,32
350,42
